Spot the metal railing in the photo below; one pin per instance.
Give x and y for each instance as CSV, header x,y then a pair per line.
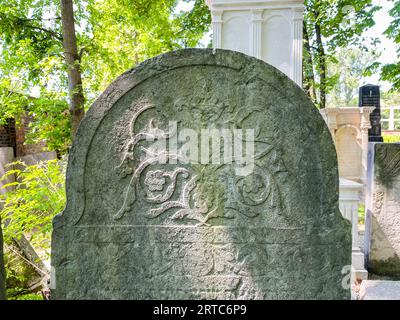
x,y
390,118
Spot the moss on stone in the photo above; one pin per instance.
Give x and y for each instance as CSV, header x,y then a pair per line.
x,y
388,268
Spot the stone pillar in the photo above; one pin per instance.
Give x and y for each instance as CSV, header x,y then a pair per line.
x,y
269,30
256,33
391,119
349,200
217,29
365,126
297,56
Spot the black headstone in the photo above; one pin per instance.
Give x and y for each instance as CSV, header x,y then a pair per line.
x,y
369,96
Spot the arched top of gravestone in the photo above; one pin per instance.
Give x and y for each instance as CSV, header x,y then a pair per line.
x,y
252,213
243,91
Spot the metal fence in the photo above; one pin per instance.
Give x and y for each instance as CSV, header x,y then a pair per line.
x,y
390,118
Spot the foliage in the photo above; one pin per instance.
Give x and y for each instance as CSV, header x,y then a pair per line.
x,y
391,72
342,21
348,70
139,30
31,62
19,276
361,214
29,205
113,36
32,201
30,296
390,98
329,26
194,23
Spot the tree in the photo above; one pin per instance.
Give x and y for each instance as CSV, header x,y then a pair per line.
x,y
391,98
328,26
347,69
391,72
52,52
72,60
32,75
112,36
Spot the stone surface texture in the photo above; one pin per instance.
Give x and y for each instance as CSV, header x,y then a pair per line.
x,y
379,290
383,211
136,229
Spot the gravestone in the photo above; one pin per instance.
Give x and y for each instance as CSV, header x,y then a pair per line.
x,y
369,96
383,210
144,221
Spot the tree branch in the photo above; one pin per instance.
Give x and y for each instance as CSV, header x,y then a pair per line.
x,y
50,32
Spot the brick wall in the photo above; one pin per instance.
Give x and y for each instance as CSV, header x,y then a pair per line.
x,y
8,135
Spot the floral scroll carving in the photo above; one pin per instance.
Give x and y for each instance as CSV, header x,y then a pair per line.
x,y
191,201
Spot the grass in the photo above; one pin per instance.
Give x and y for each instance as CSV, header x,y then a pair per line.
x,y
361,214
391,138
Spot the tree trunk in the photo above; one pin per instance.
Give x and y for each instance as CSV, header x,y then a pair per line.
x,y
321,62
31,255
2,271
309,77
72,60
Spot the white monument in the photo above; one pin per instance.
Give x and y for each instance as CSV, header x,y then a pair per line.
x,y
349,199
349,129
270,30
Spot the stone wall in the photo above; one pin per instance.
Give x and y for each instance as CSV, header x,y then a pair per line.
x,y
383,210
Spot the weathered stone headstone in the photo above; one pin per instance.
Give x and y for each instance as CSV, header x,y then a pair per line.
x,y
140,228
383,210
